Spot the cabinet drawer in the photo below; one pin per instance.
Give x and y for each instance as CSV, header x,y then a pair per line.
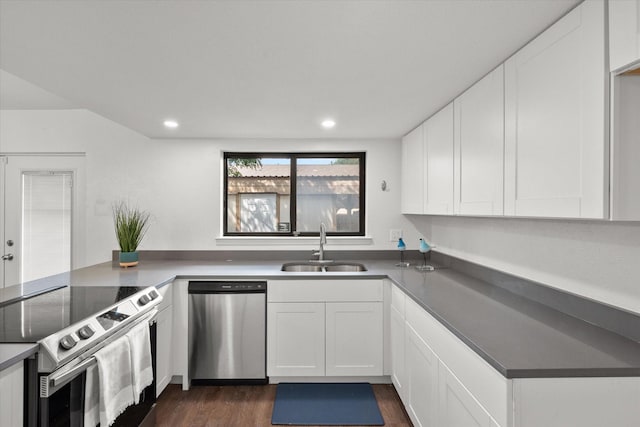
x,y
345,290
486,384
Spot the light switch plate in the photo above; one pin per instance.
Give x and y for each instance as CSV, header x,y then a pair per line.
x,y
395,234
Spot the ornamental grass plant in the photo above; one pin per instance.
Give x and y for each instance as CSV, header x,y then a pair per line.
x,y
131,225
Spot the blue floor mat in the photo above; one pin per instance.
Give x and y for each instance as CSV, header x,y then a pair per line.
x,y
326,404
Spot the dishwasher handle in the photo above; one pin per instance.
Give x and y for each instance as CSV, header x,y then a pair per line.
x,y
226,287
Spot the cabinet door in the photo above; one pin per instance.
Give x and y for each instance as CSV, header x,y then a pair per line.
x,y
421,398
398,371
625,150
458,407
354,338
164,369
295,339
624,33
412,172
438,162
11,395
479,147
555,120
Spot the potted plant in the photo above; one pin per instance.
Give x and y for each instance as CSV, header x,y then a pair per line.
x,y
130,225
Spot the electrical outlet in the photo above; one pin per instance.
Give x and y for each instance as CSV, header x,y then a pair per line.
x,y
395,234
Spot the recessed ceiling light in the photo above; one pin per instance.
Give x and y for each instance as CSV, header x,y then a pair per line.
x,y
171,124
328,123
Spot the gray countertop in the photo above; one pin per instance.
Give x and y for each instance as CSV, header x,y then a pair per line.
x,y
10,354
520,338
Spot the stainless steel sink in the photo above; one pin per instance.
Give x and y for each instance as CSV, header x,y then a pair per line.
x,y
301,266
345,266
319,267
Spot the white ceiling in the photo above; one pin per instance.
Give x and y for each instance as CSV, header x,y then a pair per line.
x,y
260,69
18,94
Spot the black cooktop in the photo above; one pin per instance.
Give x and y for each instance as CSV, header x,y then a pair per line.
x,y
32,319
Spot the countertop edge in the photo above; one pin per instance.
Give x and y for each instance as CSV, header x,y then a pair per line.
x,y
267,271
15,353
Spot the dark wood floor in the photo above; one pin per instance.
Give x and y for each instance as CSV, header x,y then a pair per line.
x,y
247,406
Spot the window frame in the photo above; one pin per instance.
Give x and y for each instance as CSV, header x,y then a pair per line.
x,y
293,157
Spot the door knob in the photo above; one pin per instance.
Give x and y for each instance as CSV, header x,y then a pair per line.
x,y
7,257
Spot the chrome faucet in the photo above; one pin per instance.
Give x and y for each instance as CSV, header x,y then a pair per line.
x,y
323,241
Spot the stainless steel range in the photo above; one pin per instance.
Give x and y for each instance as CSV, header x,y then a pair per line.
x,y
71,324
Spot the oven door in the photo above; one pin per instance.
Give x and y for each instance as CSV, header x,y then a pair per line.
x,y
63,405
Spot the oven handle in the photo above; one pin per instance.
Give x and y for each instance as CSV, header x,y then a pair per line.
x,y
51,383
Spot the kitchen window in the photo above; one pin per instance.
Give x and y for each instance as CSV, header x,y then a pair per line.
x,y
291,194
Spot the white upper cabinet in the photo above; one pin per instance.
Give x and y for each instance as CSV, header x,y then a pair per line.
x,y
625,149
479,147
412,173
438,162
555,120
624,33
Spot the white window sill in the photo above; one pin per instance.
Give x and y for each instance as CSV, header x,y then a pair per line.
x,y
291,241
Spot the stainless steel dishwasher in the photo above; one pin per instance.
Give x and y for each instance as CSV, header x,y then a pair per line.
x,y
227,332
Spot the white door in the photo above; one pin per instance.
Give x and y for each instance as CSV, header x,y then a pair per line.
x,y
398,370
412,172
295,339
624,34
11,395
165,339
556,110
438,161
458,407
479,147
354,338
422,380
164,343
41,216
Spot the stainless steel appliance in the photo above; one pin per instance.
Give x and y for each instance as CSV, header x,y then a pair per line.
x,y
71,324
227,332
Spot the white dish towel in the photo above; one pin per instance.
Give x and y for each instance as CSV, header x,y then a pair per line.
x,y
92,397
114,372
141,368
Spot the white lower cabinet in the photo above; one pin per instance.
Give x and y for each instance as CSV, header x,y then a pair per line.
x,y
446,384
397,339
310,332
457,406
164,340
353,338
295,339
11,395
163,349
421,395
